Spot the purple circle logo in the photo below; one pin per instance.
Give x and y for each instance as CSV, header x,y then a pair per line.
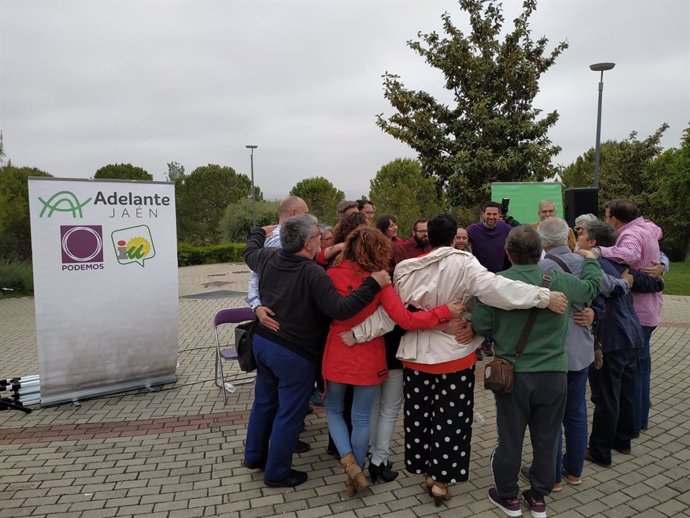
x,y
81,243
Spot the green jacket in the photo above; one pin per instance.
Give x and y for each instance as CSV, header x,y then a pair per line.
x,y
545,347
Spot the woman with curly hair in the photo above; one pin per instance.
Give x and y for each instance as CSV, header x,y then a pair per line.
x,y
363,366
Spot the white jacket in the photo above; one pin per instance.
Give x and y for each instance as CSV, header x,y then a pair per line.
x,y
437,278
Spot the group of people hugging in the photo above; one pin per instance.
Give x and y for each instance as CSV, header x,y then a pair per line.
x,y
380,324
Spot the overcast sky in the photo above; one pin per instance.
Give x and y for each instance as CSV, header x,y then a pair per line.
x,y
85,83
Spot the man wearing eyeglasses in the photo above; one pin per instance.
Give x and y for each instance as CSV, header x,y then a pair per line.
x,y
547,209
417,245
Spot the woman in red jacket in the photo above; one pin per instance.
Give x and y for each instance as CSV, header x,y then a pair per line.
x,y
363,366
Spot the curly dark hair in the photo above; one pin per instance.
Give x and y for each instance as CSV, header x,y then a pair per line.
x,y
345,227
369,248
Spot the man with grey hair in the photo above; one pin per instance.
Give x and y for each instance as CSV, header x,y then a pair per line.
x,y
547,209
579,347
301,295
538,398
290,206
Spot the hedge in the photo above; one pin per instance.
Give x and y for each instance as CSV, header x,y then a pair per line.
x,y
188,255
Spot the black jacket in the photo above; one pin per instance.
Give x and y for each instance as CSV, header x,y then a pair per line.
x,y
302,297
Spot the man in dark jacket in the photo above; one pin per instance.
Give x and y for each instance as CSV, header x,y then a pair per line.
x,y
303,300
618,330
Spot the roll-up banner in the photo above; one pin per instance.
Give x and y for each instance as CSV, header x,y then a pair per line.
x,y
105,285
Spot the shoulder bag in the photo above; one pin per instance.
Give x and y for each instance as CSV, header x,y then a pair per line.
x,y
499,373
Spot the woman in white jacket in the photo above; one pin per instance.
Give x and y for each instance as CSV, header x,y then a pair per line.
x,y
438,372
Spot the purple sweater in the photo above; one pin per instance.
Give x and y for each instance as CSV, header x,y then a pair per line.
x,y
488,244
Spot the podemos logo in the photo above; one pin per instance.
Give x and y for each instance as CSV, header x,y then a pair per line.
x,y
82,247
133,245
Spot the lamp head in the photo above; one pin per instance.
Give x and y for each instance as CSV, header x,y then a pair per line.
x,y
601,67
250,146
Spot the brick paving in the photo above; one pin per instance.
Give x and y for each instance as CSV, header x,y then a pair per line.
x,y
177,452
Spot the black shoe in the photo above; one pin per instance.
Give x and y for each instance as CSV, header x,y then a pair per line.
x,y
295,478
384,470
254,465
590,458
333,452
310,410
624,451
302,447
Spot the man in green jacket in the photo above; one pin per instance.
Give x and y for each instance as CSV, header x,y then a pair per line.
x,y
539,391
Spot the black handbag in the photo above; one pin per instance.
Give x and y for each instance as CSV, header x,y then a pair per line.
x,y
244,336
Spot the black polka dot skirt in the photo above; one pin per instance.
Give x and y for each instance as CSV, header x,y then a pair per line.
x,y
439,409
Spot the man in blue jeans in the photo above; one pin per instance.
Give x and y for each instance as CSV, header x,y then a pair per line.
x,y
638,247
554,234
302,298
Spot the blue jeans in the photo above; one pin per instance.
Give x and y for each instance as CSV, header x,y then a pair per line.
x,y
574,425
643,378
284,382
362,401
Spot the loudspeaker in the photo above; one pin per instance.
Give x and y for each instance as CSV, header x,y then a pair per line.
x,y
580,200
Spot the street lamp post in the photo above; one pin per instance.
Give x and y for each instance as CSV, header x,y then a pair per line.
x,y
599,67
251,159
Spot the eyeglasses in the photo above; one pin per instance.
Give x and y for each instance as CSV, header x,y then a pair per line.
x,y
578,229
318,234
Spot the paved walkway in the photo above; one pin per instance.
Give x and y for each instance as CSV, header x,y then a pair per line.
x,y
177,452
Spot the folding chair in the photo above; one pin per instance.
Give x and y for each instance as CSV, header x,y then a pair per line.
x,y
228,316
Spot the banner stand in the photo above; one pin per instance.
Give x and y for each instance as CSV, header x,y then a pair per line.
x,y
105,285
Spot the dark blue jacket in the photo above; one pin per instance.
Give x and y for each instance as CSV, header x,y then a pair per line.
x,y
617,326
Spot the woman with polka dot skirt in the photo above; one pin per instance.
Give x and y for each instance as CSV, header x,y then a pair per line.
x,y
438,371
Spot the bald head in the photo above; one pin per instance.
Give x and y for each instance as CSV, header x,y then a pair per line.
x,y
291,206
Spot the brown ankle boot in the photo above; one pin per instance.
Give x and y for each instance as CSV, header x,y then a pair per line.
x,y
440,492
353,470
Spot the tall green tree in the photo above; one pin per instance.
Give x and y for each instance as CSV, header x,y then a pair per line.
x,y
123,172
321,196
400,189
175,172
236,223
491,132
202,199
15,230
657,182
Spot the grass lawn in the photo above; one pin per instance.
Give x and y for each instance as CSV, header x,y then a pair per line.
x,y
677,280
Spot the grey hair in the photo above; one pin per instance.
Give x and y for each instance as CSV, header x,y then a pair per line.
x,y
325,228
603,233
586,218
296,231
553,232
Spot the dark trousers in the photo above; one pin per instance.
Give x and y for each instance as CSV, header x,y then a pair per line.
x,y
613,392
284,382
537,401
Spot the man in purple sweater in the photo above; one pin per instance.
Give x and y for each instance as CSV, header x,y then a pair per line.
x,y
488,238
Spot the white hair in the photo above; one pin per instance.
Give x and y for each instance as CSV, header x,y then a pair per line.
x,y
553,232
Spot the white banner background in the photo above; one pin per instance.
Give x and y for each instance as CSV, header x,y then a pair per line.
x,y
105,322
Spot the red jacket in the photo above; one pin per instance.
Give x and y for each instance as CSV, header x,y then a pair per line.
x,y
365,364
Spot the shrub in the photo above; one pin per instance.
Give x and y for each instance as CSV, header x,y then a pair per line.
x,y
188,255
18,276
